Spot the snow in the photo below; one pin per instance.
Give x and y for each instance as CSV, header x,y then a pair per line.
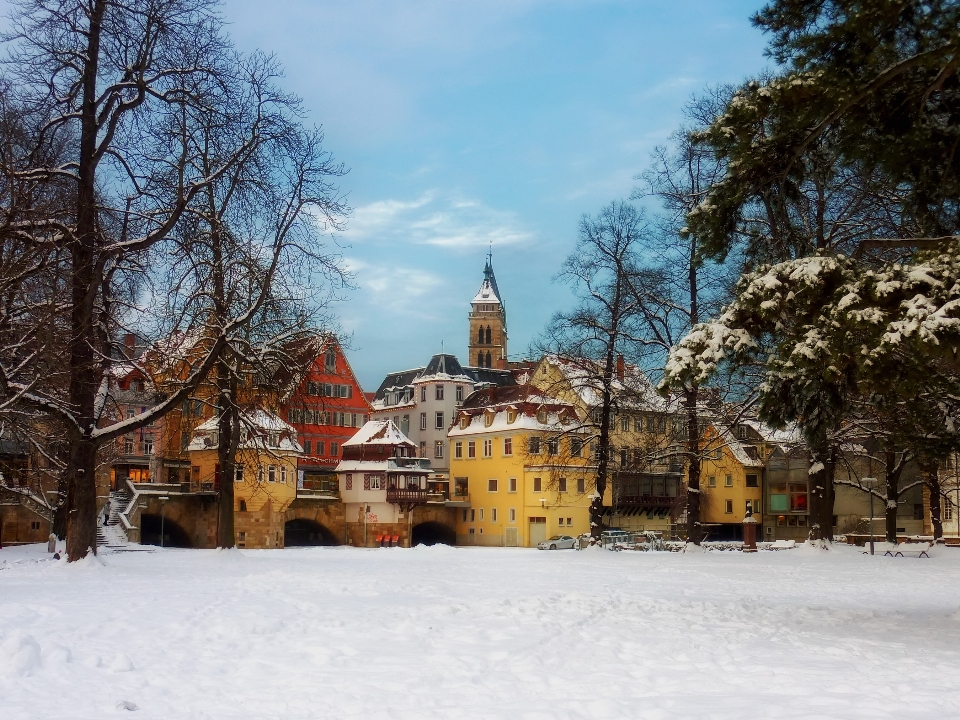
x,y
479,633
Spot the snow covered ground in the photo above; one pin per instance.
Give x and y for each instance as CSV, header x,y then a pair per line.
x,y
479,633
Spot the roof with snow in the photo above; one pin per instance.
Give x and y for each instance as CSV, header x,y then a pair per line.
x,y
442,367
258,423
379,432
582,376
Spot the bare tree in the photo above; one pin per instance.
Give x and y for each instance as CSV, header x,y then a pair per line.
x,y
597,331
121,86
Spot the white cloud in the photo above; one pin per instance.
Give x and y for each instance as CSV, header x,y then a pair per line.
x,y
438,220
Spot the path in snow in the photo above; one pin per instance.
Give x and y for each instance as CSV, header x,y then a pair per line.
x,y
479,633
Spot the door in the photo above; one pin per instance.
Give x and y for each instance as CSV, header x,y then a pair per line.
x,y
510,537
538,531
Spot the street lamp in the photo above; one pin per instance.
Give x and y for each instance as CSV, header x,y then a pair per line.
x,y
163,500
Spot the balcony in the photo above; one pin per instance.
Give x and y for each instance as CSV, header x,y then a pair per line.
x,y
408,463
459,500
317,494
407,498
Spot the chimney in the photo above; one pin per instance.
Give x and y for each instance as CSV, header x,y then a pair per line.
x,y
620,367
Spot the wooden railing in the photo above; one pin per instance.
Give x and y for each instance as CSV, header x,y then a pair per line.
x,y
397,495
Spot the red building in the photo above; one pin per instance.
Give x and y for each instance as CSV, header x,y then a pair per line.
x,y
327,409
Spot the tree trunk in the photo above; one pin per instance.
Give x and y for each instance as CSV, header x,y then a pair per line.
x,y
228,439
822,464
933,485
694,528
84,376
596,506
893,471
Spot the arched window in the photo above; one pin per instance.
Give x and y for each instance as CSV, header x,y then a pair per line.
x,y
488,360
480,336
488,335
480,359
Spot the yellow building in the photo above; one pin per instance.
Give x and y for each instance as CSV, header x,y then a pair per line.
x,y
265,479
524,463
645,485
731,484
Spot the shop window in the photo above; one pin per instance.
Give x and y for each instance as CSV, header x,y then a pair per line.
x,y
798,497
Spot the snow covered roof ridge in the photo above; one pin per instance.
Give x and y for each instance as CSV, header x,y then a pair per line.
x,y
489,293
379,432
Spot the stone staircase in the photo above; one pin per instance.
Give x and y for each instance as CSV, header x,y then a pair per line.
x,y
110,534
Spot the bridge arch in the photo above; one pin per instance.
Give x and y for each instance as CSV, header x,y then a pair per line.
x,y
303,532
433,533
173,533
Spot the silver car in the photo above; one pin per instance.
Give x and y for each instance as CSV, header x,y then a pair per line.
x,y
558,542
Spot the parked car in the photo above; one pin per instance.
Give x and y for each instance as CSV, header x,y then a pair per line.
x,y
557,542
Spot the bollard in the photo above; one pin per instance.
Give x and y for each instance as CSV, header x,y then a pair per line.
x,y
749,533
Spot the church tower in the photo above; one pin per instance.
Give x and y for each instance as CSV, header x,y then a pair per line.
x,y
488,324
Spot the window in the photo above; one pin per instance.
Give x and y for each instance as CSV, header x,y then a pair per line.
x,y
512,515
728,481
375,482
438,449
439,392
638,424
569,522
488,448
553,447
128,445
463,517
512,486
439,421
348,484
728,506
712,482
624,456
259,474
533,445
537,484
423,421
320,447
334,449
798,497
918,511
481,514
493,514
471,448
948,509
581,486
473,515
753,480
330,361
238,473
492,485
272,473
562,485
508,446
459,393
198,407
458,449
624,423
423,449
241,538
576,447
423,395
283,474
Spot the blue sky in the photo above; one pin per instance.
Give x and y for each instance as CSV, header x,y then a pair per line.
x,y
464,122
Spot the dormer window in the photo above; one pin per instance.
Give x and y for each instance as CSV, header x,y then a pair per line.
x,y
541,416
464,422
488,418
511,416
